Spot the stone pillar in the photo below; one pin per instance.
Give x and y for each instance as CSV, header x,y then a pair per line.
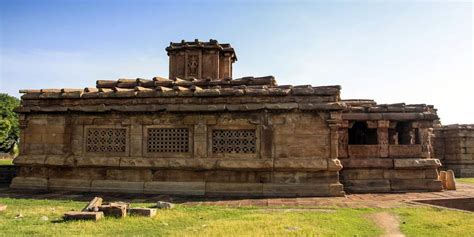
x,y
200,140
136,139
23,124
343,139
425,134
382,137
266,138
334,124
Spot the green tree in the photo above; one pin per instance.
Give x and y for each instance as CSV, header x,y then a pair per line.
x,y
9,127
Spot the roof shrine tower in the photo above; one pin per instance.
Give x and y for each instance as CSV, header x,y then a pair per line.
x,y
202,60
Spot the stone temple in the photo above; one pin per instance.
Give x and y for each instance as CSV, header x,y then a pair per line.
x,y
202,132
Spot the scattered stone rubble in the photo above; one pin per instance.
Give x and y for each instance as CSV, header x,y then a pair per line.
x,y
96,210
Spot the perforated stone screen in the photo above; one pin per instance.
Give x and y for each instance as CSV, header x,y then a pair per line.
x,y
168,140
104,140
234,141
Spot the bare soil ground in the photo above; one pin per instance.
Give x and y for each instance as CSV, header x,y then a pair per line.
x,y
389,222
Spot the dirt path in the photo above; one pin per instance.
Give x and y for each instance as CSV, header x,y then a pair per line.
x,y
388,222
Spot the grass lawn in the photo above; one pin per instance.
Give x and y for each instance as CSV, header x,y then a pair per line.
x,y
465,180
223,221
185,221
435,222
6,162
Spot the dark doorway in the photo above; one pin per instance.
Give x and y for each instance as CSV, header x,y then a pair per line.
x,y
405,134
360,134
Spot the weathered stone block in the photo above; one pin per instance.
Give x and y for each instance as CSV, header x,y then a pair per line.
x,y
141,211
29,160
360,174
200,164
116,186
336,190
416,163
136,175
238,176
405,150
55,160
442,178
33,171
404,174
431,174
364,151
301,164
179,175
234,189
82,185
296,190
164,205
295,145
116,211
247,164
88,161
367,163
365,186
415,184
93,205
34,149
85,173
29,183
75,216
450,180
136,162
177,188
304,177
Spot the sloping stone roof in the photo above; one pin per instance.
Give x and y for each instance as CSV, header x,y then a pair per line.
x,y
162,87
161,94
370,106
364,109
458,127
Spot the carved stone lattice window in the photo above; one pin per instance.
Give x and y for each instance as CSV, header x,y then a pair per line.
x,y
168,140
234,141
103,140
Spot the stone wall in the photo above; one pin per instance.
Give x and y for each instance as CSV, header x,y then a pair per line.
x,y
277,153
7,173
454,146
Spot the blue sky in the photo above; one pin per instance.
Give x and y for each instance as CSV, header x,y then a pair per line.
x,y
390,51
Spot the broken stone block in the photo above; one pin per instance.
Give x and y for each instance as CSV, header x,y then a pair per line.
x,y
126,204
114,211
79,215
442,178
164,205
140,211
450,180
94,204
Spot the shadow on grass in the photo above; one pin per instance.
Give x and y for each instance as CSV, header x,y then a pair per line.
x,y
6,192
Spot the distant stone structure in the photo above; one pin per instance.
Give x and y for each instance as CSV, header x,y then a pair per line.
x,y
201,132
454,146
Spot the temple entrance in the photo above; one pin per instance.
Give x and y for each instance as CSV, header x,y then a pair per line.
x,y
360,134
